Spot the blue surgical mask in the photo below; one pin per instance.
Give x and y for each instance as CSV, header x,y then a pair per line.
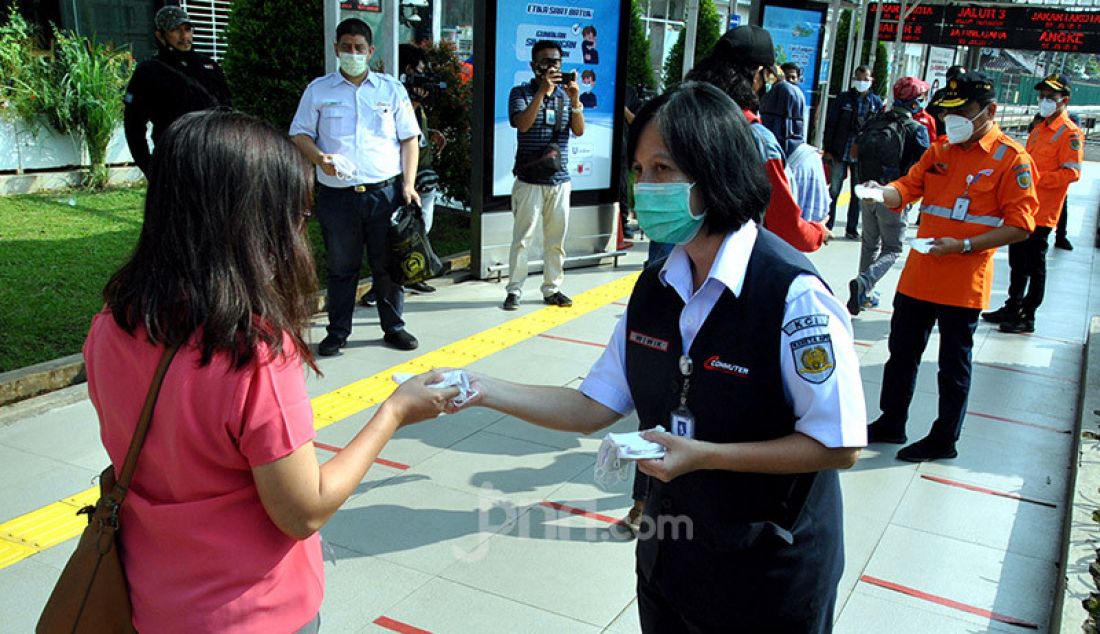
x,y
664,212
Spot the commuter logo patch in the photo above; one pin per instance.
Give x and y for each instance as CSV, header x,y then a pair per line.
x,y
649,342
716,364
813,358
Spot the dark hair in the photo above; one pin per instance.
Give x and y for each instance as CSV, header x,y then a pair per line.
x,y
354,26
222,250
862,68
588,29
588,73
709,139
542,45
409,55
730,77
791,66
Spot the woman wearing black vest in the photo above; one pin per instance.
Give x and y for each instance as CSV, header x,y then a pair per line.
x,y
737,345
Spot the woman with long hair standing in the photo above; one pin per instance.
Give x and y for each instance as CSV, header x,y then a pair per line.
x,y
221,519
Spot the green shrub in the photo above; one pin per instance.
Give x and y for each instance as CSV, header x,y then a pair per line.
x,y
450,112
639,68
275,48
75,90
709,29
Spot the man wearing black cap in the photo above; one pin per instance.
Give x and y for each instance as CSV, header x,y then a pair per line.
x,y
176,81
977,193
1055,146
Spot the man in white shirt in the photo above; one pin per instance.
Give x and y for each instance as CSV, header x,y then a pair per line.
x,y
359,130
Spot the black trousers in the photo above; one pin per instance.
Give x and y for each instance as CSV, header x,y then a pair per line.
x,y
1028,277
1061,233
909,330
350,220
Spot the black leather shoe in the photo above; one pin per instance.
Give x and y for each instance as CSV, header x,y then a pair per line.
x,y
331,345
926,449
1020,324
884,431
851,235
558,299
511,302
856,293
370,298
1063,244
421,287
1002,314
401,340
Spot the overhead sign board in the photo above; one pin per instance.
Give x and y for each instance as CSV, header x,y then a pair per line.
x,y
1026,28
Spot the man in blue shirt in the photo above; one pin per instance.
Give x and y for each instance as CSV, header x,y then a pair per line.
x,y
359,129
543,111
783,110
842,125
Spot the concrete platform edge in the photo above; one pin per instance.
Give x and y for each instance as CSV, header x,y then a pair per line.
x,y
1081,535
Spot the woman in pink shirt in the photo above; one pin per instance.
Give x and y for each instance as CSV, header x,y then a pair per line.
x,y
220,524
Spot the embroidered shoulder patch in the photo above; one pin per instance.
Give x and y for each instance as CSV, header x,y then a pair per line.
x,y
804,322
1023,179
813,358
1075,143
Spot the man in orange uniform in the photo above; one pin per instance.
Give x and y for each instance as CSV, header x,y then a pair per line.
x,y
978,194
1055,146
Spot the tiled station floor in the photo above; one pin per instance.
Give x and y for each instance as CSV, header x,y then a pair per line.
x,y
480,523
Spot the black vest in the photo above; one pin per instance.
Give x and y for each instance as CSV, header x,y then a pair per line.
x,y
736,395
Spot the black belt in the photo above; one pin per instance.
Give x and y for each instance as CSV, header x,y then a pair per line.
x,y
369,187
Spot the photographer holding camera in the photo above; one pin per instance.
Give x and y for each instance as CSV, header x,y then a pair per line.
x,y
543,111
421,86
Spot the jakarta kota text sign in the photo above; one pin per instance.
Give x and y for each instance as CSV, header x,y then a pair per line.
x,y
1028,28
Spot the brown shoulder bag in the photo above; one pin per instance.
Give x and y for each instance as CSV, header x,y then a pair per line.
x,y
91,596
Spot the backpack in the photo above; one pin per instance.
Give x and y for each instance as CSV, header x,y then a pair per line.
x,y
881,146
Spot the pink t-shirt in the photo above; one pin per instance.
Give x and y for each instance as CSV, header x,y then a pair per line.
x,y
199,550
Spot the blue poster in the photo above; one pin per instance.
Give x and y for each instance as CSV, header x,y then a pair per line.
x,y
588,32
796,34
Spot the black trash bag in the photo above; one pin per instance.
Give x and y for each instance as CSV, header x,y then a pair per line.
x,y
412,259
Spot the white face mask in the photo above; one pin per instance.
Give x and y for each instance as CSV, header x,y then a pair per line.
x,y
861,85
586,88
959,128
353,64
1047,107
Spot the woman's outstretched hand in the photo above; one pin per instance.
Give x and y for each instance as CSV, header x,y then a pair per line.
x,y
414,401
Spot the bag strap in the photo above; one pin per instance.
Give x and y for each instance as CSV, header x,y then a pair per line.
x,y
190,81
127,473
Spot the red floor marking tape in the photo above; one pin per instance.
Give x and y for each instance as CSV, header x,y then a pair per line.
x,y
944,601
398,626
880,310
865,344
1018,422
978,489
381,461
568,340
576,511
1029,372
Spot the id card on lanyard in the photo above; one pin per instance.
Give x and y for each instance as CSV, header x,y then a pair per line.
x,y
962,203
681,421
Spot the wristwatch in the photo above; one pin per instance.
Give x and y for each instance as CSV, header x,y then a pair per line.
x,y
967,246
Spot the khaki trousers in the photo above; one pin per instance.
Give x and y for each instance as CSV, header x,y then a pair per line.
x,y
529,203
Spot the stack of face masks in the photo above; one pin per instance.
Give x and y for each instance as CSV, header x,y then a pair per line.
x,y
618,451
345,168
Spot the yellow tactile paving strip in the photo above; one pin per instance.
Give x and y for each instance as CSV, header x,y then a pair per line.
x,y
55,523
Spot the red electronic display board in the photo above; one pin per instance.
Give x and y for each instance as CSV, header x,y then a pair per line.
x,y
1025,28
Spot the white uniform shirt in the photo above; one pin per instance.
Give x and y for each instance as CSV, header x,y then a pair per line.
x,y
831,411
365,123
